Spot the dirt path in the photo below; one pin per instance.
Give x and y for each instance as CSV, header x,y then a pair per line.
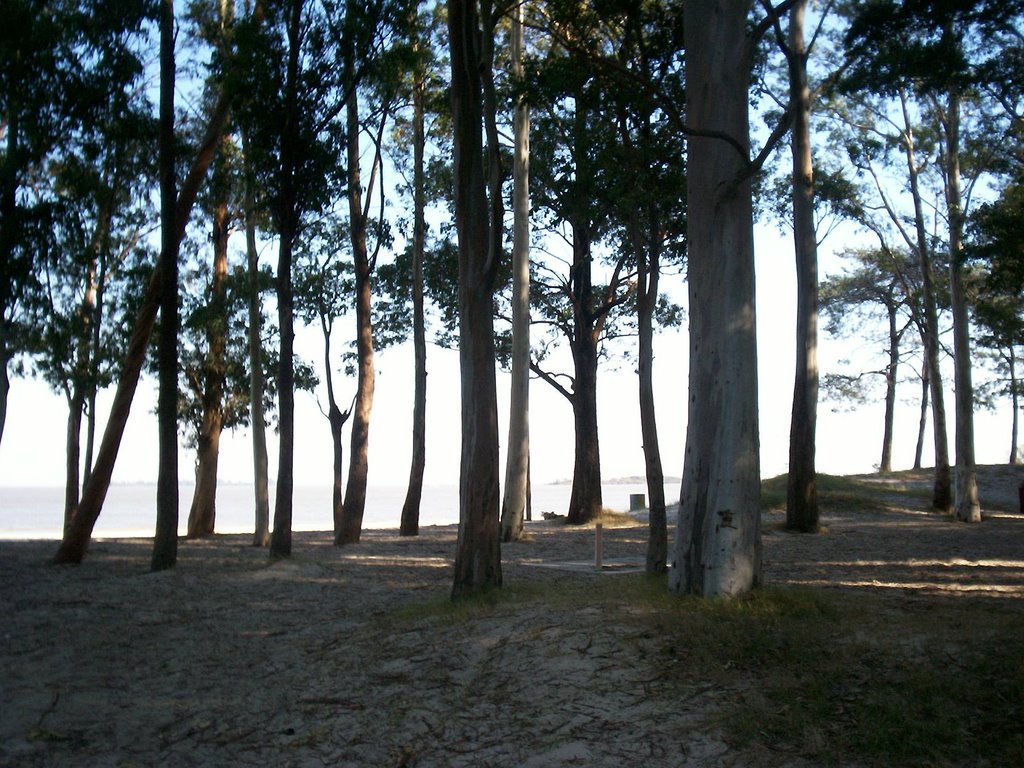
x,y
348,657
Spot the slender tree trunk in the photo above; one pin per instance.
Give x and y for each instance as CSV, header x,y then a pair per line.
x,y
966,507
281,538
923,419
203,513
1015,401
801,487
718,536
410,521
942,498
891,370
73,457
359,452
517,458
76,541
165,544
646,299
8,239
261,480
478,552
336,418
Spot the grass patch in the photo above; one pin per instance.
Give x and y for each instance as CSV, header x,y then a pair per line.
x,y
848,492
839,678
834,677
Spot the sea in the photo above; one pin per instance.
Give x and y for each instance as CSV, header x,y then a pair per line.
x,y
130,509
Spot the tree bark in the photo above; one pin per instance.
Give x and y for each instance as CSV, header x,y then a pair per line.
x,y
203,513
76,541
281,538
966,507
923,420
517,458
1015,401
478,552
359,452
941,492
891,370
586,500
261,480
718,536
336,418
648,268
410,520
801,486
73,457
165,544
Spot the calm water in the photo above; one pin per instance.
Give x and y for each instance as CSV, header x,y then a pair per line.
x,y
130,509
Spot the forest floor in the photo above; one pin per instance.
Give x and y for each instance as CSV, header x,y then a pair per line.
x,y
894,637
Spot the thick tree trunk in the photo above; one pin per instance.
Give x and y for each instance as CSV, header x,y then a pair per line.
x,y
478,552
967,508
359,452
281,538
410,520
718,536
891,370
165,544
801,487
261,479
202,516
76,541
942,497
517,458
586,501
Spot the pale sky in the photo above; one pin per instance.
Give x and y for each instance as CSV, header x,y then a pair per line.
x,y
32,451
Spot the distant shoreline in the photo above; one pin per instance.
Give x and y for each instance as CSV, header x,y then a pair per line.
x,y
628,480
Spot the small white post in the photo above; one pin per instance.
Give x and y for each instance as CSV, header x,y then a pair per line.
x,y
598,546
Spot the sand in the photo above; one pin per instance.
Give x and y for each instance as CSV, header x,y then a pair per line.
x,y
344,657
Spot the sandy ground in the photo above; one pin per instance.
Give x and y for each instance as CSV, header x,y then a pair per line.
x,y
328,659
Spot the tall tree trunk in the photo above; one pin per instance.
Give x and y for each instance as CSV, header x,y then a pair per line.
x,y
76,541
517,458
165,544
203,513
891,370
73,456
648,268
1015,401
261,480
336,418
966,507
359,452
478,552
8,239
718,536
922,422
801,487
281,538
942,497
586,499
410,521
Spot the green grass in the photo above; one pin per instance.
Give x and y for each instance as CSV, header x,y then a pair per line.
x,y
834,677
849,492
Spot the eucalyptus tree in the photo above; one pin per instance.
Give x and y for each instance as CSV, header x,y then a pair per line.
x,y
880,286
478,552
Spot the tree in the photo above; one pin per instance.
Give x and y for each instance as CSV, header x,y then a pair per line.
x,y
165,544
718,546
517,464
478,552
